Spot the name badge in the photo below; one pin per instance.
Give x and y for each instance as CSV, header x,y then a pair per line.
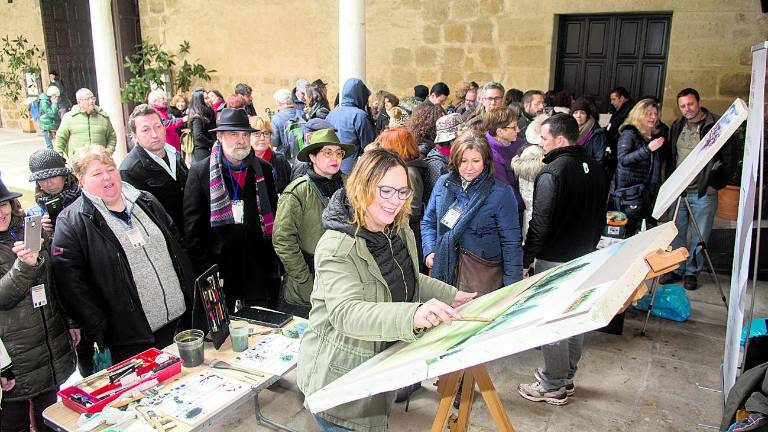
x,y
38,296
136,237
237,211
451,217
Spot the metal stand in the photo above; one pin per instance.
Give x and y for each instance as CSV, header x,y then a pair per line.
x,y
261,418
661,263
684,198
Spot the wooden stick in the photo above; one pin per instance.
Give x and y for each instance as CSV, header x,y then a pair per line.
x,y
475,319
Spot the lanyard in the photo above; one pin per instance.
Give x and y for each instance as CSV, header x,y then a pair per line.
x,y
13,234
235,183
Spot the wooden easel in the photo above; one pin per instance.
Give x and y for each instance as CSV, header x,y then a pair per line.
x,y
447,388
661,263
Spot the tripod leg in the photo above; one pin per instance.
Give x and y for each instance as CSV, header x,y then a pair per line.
x,y
704,250
654,288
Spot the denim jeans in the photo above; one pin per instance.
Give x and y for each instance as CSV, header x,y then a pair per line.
x,y
48,135
704,211
561,359
326,426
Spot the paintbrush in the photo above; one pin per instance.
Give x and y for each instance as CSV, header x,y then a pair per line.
x,y
221,364
475,319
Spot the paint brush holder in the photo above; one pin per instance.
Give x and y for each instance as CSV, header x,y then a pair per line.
x,y
209,288
97,391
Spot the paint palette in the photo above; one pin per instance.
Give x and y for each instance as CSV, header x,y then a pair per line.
x,y
274,354
197,396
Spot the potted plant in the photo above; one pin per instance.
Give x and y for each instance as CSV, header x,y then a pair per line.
x,y
19,59
728,197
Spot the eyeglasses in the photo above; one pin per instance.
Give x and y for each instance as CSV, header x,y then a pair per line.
x,y
494,99
259,133
333,153
515,127
387,192
86,99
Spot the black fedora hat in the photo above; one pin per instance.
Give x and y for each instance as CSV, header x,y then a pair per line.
x,y
5,194
233,119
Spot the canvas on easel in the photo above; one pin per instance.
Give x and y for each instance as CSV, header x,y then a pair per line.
x,y
579,296
699,157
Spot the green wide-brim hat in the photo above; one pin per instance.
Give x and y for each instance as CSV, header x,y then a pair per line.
x,y
320,139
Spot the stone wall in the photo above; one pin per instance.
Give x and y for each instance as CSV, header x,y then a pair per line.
x,y
22,17
271,43
410,42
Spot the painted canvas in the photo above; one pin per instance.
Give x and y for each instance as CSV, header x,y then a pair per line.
x,y
704,151
573,298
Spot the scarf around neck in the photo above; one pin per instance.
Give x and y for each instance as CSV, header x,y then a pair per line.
x,y
67,195
221,204
585,131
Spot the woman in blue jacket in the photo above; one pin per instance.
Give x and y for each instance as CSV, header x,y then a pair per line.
x,y
471,228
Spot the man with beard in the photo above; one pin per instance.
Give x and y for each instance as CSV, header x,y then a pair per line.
x,y
229,205
533,105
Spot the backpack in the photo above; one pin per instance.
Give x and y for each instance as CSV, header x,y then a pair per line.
x,y
294,131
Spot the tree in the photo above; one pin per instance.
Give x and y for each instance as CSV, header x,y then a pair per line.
x,y
150,64
17,57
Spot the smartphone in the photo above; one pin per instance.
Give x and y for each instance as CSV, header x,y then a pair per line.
x,y
262,316
33,229
53,208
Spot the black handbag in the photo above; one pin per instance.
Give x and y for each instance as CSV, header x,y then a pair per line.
x,y
630,200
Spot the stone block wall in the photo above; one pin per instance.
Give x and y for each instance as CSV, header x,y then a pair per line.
x,y
22,17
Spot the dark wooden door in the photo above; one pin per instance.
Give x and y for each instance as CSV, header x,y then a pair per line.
x,y
596,53
69,44
125,15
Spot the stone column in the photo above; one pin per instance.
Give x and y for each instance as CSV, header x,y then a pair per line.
x,y
351,40
107,70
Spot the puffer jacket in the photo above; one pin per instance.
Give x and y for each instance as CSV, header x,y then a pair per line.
x,y
351,121
353,316
49,113
79,129
637,164
526,166
37,339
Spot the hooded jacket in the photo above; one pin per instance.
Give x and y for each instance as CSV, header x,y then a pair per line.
x,y
637,163
49,113
351,120
353,316
36,338
278,122
79,129
527,165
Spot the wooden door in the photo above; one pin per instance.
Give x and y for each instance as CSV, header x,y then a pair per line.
x,y
596,53
69,44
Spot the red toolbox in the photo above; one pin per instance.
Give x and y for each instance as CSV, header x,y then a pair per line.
x,y
95,392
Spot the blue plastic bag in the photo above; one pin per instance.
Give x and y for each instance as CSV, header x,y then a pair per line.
x,y
758,328
671,303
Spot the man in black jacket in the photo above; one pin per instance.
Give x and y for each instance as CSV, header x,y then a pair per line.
x,y
685,134
153,165
568,217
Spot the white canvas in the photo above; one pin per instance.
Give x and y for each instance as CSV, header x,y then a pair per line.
x,y
704,151
576,297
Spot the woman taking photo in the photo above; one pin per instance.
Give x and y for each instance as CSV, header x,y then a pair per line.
x,y
366,284
262,148
138,303
35,335
55,185
638,172
471,228
299,221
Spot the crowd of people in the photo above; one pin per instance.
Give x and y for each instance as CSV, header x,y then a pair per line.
x,y
375,218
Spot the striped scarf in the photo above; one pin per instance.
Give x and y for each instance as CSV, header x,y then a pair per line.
x,y
221,204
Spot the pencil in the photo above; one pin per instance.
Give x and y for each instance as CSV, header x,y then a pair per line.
x,y
476,319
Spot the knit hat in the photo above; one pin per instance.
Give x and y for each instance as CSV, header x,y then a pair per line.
x,y
583,104
46,163
448,127
533,131
5,194
397,117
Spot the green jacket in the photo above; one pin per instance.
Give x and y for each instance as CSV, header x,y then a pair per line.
x,y
298,227
49,113
79,129
352,319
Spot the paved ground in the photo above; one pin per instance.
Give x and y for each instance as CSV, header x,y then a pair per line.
x,y
625,383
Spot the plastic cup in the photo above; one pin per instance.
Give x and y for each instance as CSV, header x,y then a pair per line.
x,y
239,337
190,345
